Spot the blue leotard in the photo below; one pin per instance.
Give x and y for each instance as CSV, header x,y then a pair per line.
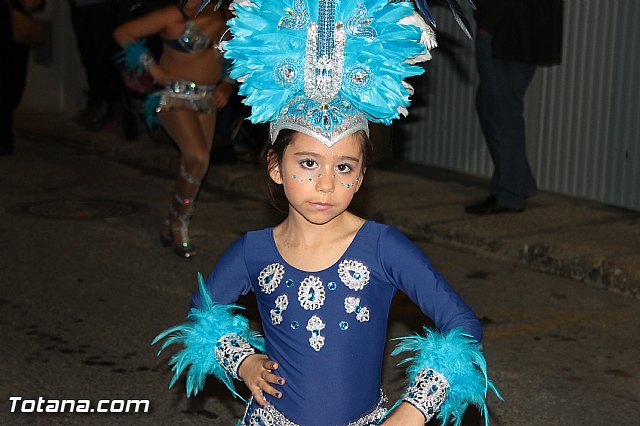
x,y
327,329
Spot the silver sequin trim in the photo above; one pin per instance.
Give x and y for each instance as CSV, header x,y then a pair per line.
x,y
270,416
270,277
230,350
353,274
427,392
311,293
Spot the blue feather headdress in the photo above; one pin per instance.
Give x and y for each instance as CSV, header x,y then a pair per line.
x,y
326,67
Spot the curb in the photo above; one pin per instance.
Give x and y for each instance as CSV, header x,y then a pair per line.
x,y
577,239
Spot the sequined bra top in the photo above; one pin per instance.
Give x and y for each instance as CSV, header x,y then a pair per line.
x,y
192,39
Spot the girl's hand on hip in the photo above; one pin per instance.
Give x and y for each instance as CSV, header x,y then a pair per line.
x,y
405,415
257,372
160,76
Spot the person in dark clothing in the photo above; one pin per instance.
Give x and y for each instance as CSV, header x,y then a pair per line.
x,y
513,38
13,72
93,23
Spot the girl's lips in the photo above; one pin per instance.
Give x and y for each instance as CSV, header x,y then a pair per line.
x,y
322,206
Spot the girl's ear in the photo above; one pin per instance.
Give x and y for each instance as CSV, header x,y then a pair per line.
x,y
274,169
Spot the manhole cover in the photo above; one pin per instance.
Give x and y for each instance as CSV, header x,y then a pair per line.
x,y
75,209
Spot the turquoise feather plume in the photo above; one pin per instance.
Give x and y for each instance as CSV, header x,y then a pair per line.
x,y
206,326
150,116
259,23
458,357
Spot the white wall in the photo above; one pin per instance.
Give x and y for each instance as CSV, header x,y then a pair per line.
x,y
56,80
583,117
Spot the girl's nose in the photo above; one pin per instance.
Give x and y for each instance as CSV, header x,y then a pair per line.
x,y
324,182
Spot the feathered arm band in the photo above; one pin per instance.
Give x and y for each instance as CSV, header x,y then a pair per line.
x,y
216,340
135,57
447,374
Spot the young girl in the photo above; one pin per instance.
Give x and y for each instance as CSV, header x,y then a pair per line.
x,y
194,88
324,278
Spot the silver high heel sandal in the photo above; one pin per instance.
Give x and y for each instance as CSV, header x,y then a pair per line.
x,y
175,233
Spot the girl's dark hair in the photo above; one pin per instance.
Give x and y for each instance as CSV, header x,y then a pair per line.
x,y
275,152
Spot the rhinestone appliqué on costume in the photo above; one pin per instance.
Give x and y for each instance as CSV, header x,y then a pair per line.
x,y
315,326
230,350
359,78
282,302
352,305
311,293
427,391
359,25
353,274
298,16
270,277
287,73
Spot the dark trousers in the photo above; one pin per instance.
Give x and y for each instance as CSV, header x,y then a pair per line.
x,y
93,26
500,107
14,59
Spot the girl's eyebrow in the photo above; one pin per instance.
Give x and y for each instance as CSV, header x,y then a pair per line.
x,y
315,154
308,153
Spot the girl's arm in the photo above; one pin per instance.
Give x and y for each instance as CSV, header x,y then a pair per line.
x,y
130,36
447,371
154,22
216,338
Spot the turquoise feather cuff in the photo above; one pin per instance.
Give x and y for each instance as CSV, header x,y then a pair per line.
x,y
207,325
135,57
458,358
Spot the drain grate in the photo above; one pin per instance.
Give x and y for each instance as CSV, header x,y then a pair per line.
x,y
75,209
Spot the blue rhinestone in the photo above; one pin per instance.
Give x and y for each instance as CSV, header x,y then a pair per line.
x,y
276,310
358,309
332,285
344,325
311,296
290,282
295,325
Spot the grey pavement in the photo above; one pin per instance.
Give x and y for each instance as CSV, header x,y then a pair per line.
x,y
86,286
580,239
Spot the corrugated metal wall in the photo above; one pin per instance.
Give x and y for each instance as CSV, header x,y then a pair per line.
x,y
583,117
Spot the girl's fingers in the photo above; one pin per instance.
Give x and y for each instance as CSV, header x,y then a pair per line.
x,y
272,378
267,388
257,395
270,365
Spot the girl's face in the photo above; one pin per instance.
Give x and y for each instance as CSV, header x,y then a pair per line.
x,y
320,182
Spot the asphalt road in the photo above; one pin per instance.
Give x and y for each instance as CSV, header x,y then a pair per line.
x,y
86,286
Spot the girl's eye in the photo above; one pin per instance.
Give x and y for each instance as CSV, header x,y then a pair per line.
x,y
344,168
307,164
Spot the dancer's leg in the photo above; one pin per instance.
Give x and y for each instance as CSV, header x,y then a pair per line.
x,y
194,141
